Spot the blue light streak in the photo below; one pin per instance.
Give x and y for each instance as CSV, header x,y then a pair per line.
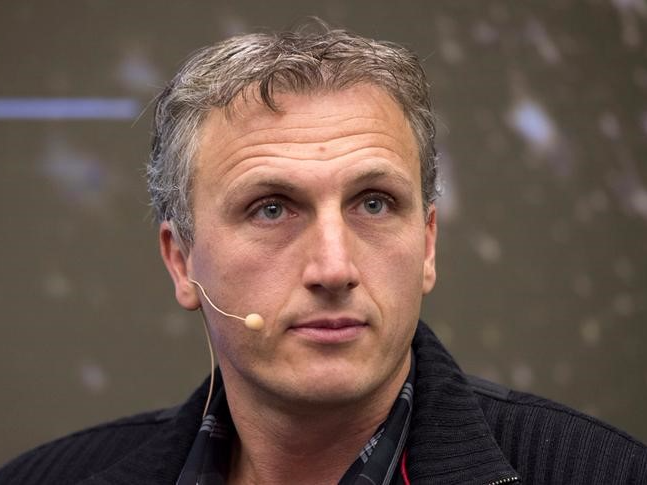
x,y
69,109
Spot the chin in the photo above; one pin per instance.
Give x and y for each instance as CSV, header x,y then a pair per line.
x,y
331,396
334,386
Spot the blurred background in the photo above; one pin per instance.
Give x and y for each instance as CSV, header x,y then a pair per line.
x,y
542,257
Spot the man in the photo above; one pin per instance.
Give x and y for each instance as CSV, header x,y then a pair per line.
x,y
294,176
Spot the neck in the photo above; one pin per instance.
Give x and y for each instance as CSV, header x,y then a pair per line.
x,y
306,443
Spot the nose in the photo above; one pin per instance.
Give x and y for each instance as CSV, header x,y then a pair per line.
x,y
330,265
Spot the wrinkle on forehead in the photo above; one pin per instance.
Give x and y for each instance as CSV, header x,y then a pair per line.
x,y
247,114
311,134
362,121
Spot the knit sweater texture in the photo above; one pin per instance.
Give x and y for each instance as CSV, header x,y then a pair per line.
x,y
464,430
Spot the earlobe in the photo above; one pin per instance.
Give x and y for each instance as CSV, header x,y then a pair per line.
x,y
429,269
177,264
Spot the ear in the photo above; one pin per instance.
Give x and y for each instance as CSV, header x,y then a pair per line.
x,y
177,264
429,268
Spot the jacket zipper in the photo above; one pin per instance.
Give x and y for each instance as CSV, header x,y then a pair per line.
x,y
505,480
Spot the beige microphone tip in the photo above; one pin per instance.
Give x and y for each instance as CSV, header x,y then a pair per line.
x,y
254,321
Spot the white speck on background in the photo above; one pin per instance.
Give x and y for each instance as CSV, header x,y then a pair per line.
x,y
522,376
590,332
487,247
93,377
56,285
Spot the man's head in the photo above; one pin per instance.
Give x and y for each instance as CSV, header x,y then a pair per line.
x,y
298,166
261,65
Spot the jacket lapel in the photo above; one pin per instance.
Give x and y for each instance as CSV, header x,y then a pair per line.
x,y
449,440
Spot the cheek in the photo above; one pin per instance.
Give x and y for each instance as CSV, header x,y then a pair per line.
x,y
400,257
395,276
254,276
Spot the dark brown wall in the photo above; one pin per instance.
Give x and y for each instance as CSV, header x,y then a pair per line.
x,y
542,261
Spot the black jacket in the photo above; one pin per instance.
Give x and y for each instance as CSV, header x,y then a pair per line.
x,y
463,431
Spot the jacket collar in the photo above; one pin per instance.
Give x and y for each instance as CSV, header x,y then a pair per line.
x,y
449,439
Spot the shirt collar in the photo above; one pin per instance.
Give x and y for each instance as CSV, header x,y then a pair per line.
x,y
378,461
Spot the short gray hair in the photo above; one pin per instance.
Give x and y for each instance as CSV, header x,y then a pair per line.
x,y
304,60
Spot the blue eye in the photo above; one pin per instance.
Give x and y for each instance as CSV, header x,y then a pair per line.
x,y
272,210
373,205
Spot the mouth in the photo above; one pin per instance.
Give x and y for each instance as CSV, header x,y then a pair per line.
x,y
330,330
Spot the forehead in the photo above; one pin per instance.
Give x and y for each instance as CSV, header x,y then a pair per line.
x,y
360,122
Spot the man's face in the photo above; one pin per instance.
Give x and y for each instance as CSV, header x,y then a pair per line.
x,y
312,217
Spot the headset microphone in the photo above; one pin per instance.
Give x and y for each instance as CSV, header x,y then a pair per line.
x,y
253,321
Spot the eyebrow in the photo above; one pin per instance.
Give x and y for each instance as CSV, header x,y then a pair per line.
x,y
272,184
283,186
373,174
277,184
